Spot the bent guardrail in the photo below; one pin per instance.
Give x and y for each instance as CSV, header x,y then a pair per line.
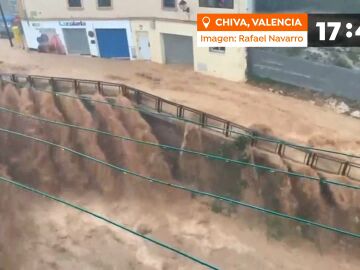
x,y
323,160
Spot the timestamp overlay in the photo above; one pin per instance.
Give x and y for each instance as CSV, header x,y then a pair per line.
x,y
278,30
334,30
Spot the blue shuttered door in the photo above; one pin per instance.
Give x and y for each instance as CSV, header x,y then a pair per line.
x,y
113,43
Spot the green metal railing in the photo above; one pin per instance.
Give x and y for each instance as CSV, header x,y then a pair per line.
x,y
329,161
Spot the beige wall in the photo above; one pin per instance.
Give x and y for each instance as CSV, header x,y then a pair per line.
x,y
58,9
231,65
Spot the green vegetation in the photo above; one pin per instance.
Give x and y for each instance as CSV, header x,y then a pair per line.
x,y
342,62
111,101
276,227
88,105
238,147
216,207
353,54
220,207
242,143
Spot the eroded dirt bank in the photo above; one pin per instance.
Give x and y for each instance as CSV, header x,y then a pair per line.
x,y
37,234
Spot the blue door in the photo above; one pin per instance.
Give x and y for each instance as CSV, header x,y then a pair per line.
x,y
113,43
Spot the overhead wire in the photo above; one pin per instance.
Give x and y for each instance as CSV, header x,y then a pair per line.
x,y
172,148
107,220
245,134
194,191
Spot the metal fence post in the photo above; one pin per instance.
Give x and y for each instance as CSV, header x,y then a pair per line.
x,y
77,90
124,90
203,119
309,158
159,105
180,111
52,84
280,149
227,129
312,161
119,90
30,81
138,97
345,167
99,88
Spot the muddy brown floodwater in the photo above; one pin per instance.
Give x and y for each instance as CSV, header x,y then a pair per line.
x,y
38,234
288,118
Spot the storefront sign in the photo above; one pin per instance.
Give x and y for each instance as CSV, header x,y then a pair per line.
x,y
72,23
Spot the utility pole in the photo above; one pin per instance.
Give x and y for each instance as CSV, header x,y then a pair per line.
x,y
6,26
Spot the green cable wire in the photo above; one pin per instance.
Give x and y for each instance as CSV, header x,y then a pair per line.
x,y
176,186
121,106
211,126
118,225
198,123
172,148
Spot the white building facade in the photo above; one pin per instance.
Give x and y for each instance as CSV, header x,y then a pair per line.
x,y
161,31
84,37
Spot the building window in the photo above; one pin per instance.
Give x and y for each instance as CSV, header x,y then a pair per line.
x,y
75,3
104,3
217,3
169,4
217,49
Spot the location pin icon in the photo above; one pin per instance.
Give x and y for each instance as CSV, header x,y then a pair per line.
x,y
206,21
